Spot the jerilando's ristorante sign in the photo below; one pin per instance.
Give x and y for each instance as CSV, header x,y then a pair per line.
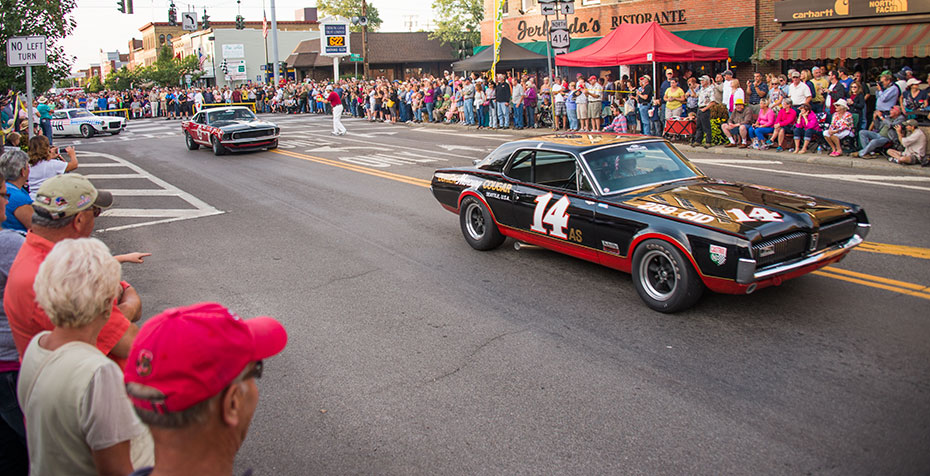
x,y
807,10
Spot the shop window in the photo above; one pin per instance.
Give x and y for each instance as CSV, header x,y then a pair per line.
x,y
161,38
590,2
529,5
505,7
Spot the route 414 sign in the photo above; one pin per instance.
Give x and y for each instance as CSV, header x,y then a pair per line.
x,y
26,51
559,37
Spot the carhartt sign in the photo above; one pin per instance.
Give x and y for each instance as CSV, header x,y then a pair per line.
x,y
26,51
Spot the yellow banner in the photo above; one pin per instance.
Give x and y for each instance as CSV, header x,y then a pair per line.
x,y
498,32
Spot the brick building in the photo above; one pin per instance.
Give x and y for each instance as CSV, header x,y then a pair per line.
x,y
731,24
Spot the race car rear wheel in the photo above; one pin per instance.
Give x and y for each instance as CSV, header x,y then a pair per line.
x,y
189,140
87,130
218,148
479,228
664,278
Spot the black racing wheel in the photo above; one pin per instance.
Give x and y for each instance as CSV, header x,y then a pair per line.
x,y
664,278
477,225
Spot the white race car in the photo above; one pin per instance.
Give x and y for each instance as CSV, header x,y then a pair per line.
x,y
79,121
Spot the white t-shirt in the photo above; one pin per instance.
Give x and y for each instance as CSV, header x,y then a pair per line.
x,y
43,171
581,98
557,93
799,93
74,402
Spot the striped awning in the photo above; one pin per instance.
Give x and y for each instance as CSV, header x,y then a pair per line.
x,y
886,41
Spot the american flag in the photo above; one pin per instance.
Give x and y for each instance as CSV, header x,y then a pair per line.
x,y
264,25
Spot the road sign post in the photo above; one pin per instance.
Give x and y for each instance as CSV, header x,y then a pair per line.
x,y
27,51
334,41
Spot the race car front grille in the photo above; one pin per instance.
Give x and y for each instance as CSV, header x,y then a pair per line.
x,y
836,232
114,125
251,134
782,248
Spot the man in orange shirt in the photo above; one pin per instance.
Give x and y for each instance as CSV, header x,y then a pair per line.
x,y
65,207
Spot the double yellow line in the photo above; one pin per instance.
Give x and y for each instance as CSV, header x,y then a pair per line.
x,y
878,282
356,168
901,287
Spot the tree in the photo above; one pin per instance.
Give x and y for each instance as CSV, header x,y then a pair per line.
x,y
50,18
121,79
459,23
168,70
93,85
349,9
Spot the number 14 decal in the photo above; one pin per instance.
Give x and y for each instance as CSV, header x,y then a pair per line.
x,y
556,217
756,214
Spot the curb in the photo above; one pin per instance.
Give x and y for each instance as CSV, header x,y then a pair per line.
x,y
845,162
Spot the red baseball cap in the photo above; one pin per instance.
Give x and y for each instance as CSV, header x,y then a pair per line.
x,y
188,354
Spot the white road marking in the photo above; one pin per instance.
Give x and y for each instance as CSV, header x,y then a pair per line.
x,y
394,146
500,137
735,161
883,180
200,208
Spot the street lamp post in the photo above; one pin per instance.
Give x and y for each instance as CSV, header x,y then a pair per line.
x,y
274,43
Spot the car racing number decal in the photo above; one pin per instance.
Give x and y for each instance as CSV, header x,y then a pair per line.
x,y
556,217
669,210
756,214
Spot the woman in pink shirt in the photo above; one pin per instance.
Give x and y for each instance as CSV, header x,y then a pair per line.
x,y
784,121
765,124
805,127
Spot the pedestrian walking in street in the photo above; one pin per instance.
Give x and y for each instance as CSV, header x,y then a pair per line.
x,y
335,101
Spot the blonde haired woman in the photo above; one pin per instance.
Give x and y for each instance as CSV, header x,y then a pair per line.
x,y
78,418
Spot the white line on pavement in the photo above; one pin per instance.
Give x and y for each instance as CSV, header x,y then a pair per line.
x,y
115,176
883,180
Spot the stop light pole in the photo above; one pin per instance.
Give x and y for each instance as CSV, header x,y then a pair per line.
x,y
274,43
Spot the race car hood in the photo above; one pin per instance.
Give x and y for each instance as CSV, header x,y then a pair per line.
x,y
754,211
236,126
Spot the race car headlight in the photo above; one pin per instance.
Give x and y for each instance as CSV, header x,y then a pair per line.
x,y
227,136
277,130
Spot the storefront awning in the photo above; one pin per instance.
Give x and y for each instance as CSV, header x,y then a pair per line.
x,y
539,47
886,41
738,40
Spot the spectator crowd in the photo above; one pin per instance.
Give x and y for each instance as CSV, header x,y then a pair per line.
x,y
86,389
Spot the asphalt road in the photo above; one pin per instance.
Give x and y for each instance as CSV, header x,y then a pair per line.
x,y
411,353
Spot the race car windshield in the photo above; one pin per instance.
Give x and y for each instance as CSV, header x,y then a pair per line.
x,y
230,115
625,167
81,114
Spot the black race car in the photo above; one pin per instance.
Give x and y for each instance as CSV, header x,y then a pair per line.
x,y
636,204
233,128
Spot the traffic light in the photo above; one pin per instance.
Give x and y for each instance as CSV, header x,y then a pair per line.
x,y
206,20
240,22
121,6
172,15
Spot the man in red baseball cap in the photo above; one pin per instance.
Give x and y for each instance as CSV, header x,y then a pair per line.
x,y
191,378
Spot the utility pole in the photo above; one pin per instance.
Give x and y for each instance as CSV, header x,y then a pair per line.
x,y
274,43
365,71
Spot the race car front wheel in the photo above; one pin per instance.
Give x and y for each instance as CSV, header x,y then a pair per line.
x,y
87,130
479,228
664,278
218,148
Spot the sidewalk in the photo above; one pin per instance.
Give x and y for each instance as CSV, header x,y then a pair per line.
x,y
846,162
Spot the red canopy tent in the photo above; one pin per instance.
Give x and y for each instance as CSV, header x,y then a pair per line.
x,y
633,44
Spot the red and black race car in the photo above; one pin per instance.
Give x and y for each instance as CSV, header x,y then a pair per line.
x,y
636,204
233,128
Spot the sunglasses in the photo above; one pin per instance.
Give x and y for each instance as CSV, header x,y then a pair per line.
x,y
256,371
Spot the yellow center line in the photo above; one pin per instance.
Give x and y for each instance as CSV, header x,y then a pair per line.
x,y
357,168
893,282
920,294
898,250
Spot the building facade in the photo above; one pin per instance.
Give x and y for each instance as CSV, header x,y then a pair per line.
x,y
245,51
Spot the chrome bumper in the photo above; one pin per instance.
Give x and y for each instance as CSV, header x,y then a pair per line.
x,y
249,139
747,273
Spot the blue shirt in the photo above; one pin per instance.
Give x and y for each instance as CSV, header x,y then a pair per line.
x,y
887,98
101,103
18,198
